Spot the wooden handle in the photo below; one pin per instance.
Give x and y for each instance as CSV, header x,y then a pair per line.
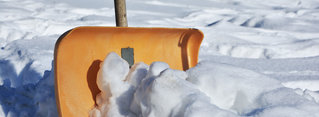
x,y
120,13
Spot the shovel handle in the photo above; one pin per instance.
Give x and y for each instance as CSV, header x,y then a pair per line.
x,y
120,13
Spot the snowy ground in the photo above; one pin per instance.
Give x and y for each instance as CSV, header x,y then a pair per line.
x,y
277,39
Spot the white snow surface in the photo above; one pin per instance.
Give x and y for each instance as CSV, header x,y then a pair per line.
x,y
258,58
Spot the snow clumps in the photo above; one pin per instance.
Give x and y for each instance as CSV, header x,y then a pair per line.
x,y
207,90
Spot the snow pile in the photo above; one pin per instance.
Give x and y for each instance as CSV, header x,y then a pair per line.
x,y
209,89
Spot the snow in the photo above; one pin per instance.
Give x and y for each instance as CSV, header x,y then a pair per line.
x,y
209,89
241,86
110,81
161,92
258,58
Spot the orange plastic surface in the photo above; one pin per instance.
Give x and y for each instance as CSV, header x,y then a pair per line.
x,y
79,52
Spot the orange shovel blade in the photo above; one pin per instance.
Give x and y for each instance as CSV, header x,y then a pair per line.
x,y
79,52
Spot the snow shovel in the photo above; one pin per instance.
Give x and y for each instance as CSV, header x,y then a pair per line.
x,y
79,52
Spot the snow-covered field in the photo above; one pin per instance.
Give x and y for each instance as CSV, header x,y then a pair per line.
x,y
258,57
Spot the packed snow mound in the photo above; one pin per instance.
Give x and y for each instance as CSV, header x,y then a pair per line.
x,y
209,89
